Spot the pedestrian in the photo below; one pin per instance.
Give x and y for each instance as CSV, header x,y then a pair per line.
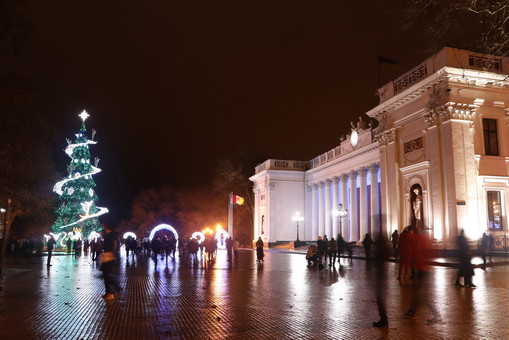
x,y
236,246
77,247
229,248
367,242
421,254
466,270
321,248
484,249
259,250
86,244
69,245
394,241
156,246
332,252
379,281
326,244
107,262
341,246
50,245
192,247
405,250
491,245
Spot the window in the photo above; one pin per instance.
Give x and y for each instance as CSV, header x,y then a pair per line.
x,y
490,136
494,210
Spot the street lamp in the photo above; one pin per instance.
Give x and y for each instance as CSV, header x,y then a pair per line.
x,y
297,218
341,212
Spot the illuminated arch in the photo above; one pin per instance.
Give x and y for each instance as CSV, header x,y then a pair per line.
x,y
129,233
161,227
221,244
199,236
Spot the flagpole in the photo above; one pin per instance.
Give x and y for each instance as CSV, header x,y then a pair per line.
x,y
230,214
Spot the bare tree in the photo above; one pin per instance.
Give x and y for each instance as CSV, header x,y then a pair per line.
x,y
478,25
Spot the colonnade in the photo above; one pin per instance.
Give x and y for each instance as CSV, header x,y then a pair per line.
x,y
360,199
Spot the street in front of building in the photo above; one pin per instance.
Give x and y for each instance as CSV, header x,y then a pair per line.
x,y
281,299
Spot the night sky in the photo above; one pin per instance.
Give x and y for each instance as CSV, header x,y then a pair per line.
x,y
171,86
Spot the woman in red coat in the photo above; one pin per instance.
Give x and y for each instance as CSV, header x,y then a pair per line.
x,y
406,250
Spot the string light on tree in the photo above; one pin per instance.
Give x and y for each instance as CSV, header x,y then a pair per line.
x,y
77,195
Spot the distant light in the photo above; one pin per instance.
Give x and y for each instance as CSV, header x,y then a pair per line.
x,y
129,233
84,115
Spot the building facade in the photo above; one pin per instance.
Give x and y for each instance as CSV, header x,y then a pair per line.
x,y
437,159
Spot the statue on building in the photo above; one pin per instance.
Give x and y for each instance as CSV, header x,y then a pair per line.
x,y
417,208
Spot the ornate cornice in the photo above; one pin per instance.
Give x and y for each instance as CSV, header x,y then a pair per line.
x,y
387,136
448,111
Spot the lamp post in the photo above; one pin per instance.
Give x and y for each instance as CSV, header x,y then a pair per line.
x,y
341,212
297,218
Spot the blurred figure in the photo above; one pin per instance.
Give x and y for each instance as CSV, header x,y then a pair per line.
x,y
50,245
484,249
312,255
321,248
394,241
421,255
341,246
332,252
229,248
405,250
259,250
466,270
236,247
367,243
108,260
192,247
379,280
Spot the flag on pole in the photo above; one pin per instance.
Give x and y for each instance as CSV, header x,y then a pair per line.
x,y
236,199
386,63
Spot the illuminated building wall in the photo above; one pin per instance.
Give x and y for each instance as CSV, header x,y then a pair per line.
x,y
438,159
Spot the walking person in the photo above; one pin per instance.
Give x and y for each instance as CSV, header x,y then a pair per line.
x,y
321,248
50,245
236,246
229,248
341,247
380,280
466,270
394,241
484,249
405,250
259,251
420,279
107,262
332,252
367,242
326,244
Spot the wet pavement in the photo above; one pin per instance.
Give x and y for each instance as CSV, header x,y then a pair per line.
x,y
281,299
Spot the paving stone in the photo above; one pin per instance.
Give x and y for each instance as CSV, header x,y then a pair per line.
x,y
281,299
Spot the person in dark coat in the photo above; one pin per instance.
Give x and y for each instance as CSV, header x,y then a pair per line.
x,y
341,247
50,245
259,250
394,241
321,249
367,243
107,262
466,270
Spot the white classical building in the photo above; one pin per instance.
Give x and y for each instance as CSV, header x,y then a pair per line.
x,y
438,159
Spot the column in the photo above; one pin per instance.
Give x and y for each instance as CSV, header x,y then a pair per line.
x,y
375,203
363,203
352,212
307,232
314,215
344,200
328,215
321,208
335,219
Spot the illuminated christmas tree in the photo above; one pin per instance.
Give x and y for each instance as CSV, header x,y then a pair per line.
x,y
78,215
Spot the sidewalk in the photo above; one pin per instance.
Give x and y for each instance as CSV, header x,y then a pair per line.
x,y
281,299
